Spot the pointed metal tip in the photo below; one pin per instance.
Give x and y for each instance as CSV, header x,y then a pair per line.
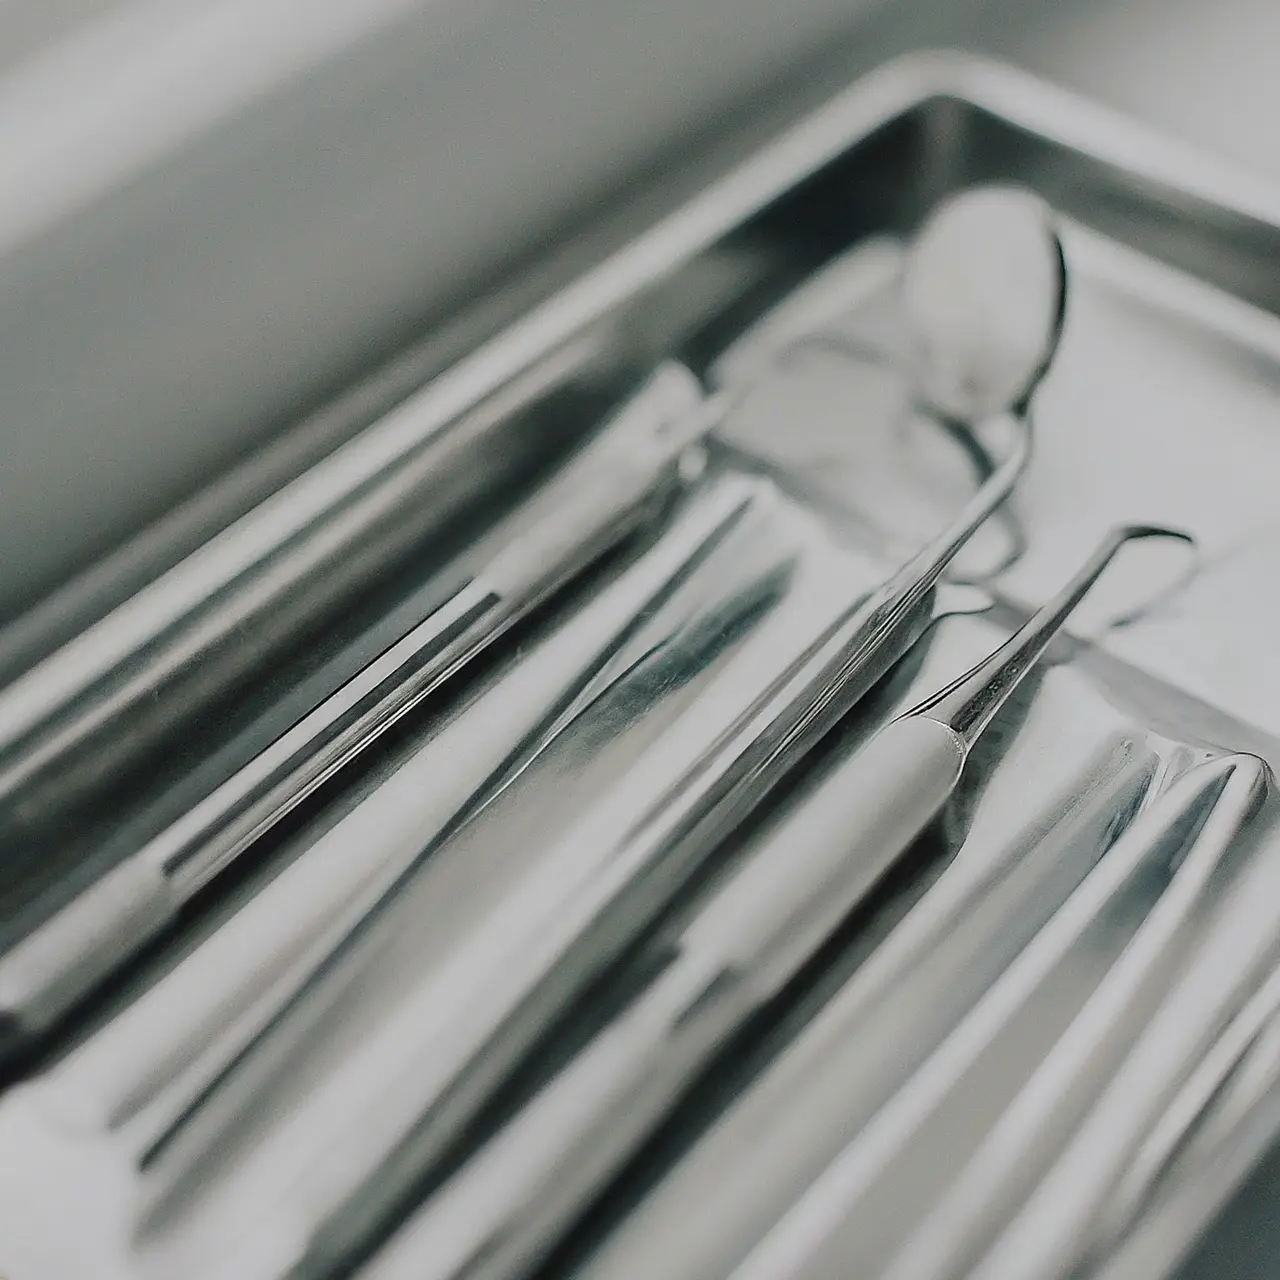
x,y
970,703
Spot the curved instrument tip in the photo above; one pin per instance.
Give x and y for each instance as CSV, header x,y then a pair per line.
x,y
970,703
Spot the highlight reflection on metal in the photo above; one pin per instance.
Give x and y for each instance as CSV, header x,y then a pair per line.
x,y
590,506
1115,913
1236,946
124,685
1234,1079
1019,1149
163,1044
1006,881
558,926
1201,1151
499,1215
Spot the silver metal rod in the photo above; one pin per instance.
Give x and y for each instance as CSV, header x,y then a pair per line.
x,y
1062,1219
405,467
1242,1066
684,642
553,935
1096,920
969,703
169,1033
1024,1140
743,946
1184,1211
1007,879
592,504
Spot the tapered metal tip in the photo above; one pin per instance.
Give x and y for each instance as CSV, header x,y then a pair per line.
x,y
969,704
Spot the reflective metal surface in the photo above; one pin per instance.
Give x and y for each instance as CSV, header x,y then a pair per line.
x,y
506,1207
444,955
1008,878
589,507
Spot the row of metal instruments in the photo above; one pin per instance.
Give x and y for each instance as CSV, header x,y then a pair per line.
x,y
680,773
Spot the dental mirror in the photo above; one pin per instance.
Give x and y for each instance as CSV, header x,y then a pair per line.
x,y
973,306
984,293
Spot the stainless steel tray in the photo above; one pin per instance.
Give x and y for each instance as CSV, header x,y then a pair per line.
x,y
1160,407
